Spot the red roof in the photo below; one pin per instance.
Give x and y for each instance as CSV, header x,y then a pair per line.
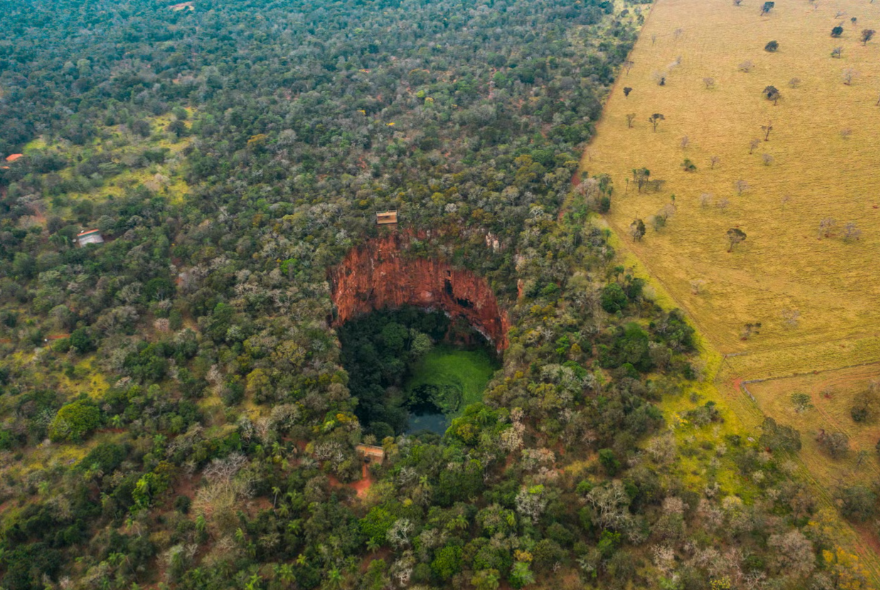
x,y
14,157
87,232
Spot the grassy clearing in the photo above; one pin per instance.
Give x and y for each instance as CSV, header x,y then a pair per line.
x,y
782,264
469,370
832,396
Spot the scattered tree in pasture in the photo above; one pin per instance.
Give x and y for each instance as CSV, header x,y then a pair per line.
x,y
767,7
713,161
854,20
737,2
771,93
629,120
866,404
626,91
659,78
772,46
709,82
746,66
705,200
848,75
835,444
735,236
837,31
684,142
637,230
676,34
722,204
801,402
867,35
697,286
851,232
784,201
753,144
839,13
767,129
653,38
655,120
640,177
750,329
794,82
627,65
791,317
767,159
845,133
740,186
837,52
858,503
688,165
779,438
825,226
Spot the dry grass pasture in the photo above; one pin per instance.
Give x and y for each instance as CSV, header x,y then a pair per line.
x,y
816,172
831,395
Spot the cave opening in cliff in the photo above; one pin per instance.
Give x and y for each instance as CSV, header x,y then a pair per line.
x,y
414,370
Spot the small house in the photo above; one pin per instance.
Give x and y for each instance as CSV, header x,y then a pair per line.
x,y
92,236
14,157
371,453
386,218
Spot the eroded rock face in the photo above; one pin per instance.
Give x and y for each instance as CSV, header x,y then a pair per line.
x,y
376,275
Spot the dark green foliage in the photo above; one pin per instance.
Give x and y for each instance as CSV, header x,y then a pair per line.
x,y
778,437
858,503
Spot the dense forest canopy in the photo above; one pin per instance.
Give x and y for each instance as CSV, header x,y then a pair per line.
x,y
175,408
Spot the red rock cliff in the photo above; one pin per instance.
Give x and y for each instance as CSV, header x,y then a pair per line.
x,y
376,275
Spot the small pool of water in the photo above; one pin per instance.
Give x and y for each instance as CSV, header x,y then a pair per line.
x,y
437,423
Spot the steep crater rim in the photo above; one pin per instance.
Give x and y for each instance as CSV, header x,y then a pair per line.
x,y
376,275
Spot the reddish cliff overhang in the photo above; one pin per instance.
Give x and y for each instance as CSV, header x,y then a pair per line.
x,y
376,275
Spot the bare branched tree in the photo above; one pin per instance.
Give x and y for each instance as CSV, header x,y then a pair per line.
x,y
845,133
740,186
722,204
705,200
746,66
629,120
791,317
785,200
767,159
753,144
837,52
851,232
848,75
709,82
684,142
825,226
794,82
713,161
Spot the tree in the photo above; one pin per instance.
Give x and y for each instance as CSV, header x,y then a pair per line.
x,y
767,159
835,444
629,120
740,186
688,166
746,66
851,232
713,161
837,52
74,421
837,31
626,91
794,82
767,129
684,142
777,437
867,35
866,405
858,503
734,237
709,82
655,120
637,230
767,7
771,47
848,75
753,144
825,227
81,341
771,93
801,402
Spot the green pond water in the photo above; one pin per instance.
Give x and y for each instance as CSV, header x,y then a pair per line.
x,y
443,383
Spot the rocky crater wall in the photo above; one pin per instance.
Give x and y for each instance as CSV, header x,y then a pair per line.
x,y
376,275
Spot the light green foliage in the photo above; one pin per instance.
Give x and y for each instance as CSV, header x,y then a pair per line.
x,y
74,421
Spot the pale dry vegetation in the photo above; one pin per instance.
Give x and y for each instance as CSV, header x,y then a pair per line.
x,y
779,194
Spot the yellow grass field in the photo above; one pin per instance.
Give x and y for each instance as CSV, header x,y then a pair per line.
x,y
783,264
832,396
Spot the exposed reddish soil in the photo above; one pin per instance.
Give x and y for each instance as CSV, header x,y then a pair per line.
x,y
377,275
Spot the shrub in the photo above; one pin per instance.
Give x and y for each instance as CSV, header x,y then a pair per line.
x,y
74,421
